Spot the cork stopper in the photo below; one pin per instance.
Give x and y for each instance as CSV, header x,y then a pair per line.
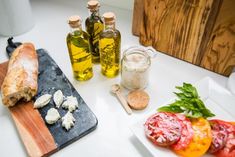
x,y
74,21
93,5
138,99
109,18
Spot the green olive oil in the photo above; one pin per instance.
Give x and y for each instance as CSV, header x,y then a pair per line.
x,y
94,25
79,50
109,44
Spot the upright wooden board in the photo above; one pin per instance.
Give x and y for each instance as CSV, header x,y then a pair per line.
x,y
220,50
200,32
39,138
176,26
138,14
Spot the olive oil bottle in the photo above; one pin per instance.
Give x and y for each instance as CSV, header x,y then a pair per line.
x,y
109,44
94,25
79,50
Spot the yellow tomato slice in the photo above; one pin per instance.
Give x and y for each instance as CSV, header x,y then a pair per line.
x,y
232,123
201,139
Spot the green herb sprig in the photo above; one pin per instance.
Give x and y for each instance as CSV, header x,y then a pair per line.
x,y
188,103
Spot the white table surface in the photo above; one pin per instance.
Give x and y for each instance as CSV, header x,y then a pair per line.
x,y
112,137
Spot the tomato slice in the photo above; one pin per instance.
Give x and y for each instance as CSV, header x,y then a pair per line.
x,y
228,149
201,139
163,128
219,135
186,134
232,123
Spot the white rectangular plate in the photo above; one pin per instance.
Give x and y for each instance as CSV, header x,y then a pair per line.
x,y
219,100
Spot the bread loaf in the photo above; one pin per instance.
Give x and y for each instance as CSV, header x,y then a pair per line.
x,y
22,75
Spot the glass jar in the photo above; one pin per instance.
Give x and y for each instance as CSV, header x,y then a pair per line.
x,y
135,66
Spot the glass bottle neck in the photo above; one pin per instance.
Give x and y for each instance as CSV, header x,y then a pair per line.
x,y
109,26
94,13
76,30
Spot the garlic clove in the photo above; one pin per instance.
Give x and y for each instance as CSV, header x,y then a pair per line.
x,y
58,98
42,101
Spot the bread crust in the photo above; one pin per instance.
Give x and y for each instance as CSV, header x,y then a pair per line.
x,y
22,75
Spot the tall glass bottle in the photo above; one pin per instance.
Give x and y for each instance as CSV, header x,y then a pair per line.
x,y
79,50
94,25
109,44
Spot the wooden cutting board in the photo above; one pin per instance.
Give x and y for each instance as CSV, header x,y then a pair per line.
x,y
39,138
201,32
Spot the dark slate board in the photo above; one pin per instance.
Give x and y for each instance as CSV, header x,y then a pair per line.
x,y
50,79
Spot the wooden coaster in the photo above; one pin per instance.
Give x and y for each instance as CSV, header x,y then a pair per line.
x,y
138,99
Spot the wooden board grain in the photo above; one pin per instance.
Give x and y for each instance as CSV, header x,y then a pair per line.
x,y
137,16
220,50
176,27
197,31
32,129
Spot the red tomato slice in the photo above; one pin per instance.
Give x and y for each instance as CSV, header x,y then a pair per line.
x,y
186,134
219,136
163,128
225,153
228,149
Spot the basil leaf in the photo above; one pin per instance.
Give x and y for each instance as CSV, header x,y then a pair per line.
x,y
188,103
175,109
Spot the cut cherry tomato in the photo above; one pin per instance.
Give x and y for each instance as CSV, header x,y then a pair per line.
x,y
201,139
163,128
227,148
